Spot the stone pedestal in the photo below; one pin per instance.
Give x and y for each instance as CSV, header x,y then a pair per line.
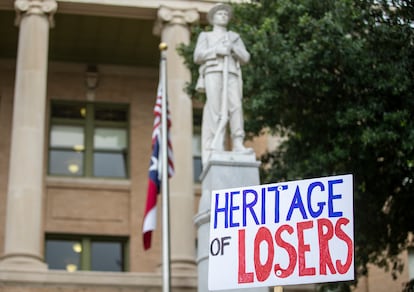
x,y
223,170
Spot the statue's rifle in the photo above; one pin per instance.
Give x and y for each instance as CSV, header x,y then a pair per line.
x,y
223,117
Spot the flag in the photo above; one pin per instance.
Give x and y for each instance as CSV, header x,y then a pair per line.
x,y
155,170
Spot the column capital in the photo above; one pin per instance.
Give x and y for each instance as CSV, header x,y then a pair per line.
x,y
47,7
168,15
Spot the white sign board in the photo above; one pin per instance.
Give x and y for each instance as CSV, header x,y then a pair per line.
x,y
296,232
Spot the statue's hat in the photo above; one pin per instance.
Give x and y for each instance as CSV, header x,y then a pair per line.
x,y
217,7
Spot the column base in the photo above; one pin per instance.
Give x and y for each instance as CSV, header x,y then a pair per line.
x,y
180,267
183,266
22,262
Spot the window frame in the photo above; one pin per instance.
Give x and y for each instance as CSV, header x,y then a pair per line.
x,y
86,241
89,124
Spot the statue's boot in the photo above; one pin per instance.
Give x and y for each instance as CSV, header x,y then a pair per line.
x,y
239,147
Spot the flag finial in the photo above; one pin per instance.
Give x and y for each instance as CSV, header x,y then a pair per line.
x,y
163,46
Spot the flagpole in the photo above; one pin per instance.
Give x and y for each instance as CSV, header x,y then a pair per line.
x,y
165,187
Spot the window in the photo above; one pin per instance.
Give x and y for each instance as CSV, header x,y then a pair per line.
x,y
197,164
73,253
88,139
63,254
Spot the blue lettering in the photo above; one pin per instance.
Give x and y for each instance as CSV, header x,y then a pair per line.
x,y
217,210
233,208
249,206
297,203
277,190
263,206
332,197
312,212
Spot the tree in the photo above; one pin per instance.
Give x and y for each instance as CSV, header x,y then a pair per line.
x,y
336,79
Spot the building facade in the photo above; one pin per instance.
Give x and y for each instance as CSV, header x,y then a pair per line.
x,y
77,91
78,81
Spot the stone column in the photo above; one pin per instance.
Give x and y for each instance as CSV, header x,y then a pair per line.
x,y
23,247
173,27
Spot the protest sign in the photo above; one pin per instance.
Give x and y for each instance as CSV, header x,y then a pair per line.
x,y
296,232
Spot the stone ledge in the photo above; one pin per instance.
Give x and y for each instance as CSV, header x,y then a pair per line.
x,y
87,278
229,158
90,183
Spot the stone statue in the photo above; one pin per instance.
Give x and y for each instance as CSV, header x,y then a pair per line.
x,y
220,53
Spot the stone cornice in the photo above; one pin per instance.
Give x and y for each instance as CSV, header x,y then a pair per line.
x,y
47,7
175,16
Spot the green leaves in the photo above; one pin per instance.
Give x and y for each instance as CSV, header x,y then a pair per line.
x,y
336,78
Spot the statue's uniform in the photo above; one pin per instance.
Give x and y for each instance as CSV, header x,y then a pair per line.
x,y
211,80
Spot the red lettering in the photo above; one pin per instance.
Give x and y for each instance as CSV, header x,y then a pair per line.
x,y
302,248
279,272
263,271
324,254
266,244
243,276
342,269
